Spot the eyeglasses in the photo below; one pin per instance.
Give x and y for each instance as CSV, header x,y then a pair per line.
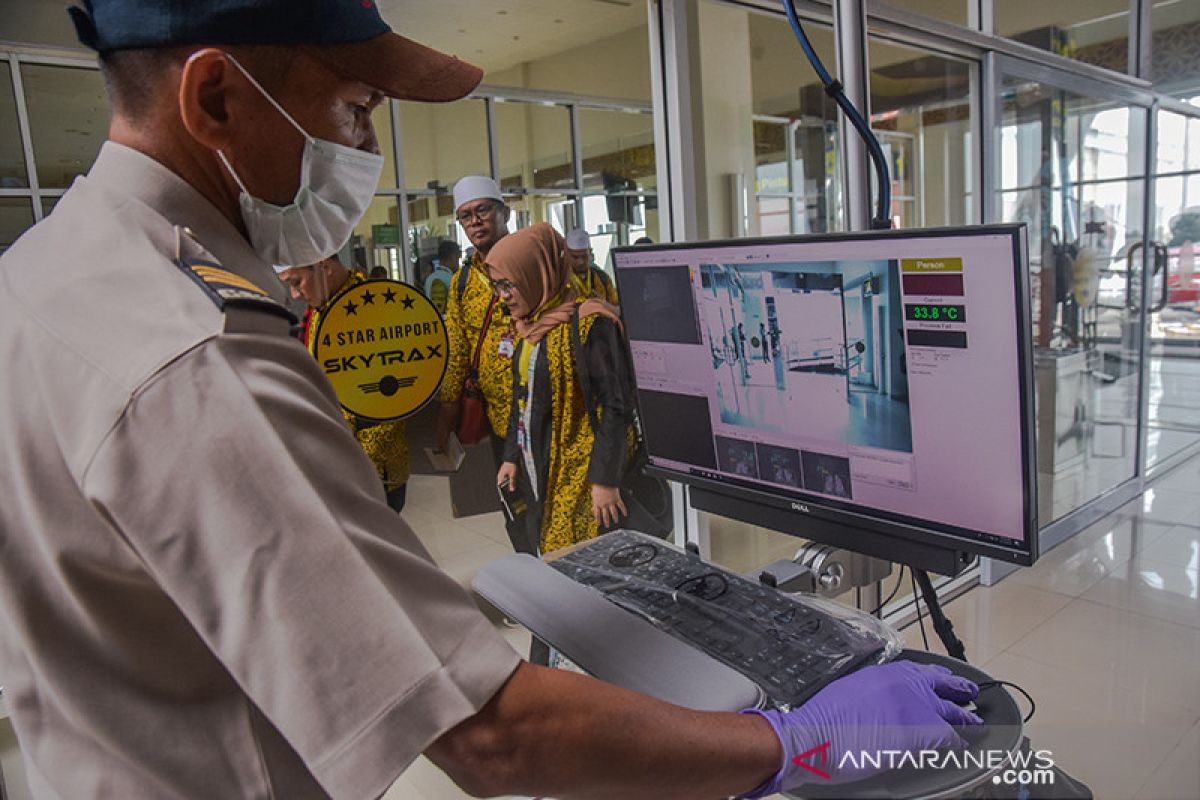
x,y
503,286
481,212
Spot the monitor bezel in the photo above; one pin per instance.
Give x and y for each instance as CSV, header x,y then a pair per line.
x,y
805,505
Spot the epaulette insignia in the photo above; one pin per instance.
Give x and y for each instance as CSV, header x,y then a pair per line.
x,y
228,290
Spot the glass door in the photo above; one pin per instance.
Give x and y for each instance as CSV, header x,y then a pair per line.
x,y
1071,163
1173,400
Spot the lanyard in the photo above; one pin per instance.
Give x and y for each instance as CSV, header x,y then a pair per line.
x,y
524,423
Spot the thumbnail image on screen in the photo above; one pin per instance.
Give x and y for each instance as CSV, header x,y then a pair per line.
x,y
885,372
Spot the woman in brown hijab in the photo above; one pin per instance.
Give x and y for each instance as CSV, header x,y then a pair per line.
x,y
569,473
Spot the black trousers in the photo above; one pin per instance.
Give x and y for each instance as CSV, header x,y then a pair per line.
x,y
523,541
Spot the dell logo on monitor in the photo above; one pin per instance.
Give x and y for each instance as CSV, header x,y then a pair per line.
x,y
800,507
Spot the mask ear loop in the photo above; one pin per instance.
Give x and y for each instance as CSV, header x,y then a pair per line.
x,y
273,102
267,95
225,160
322,281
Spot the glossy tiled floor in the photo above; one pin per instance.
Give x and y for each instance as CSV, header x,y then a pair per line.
x,y
1104,632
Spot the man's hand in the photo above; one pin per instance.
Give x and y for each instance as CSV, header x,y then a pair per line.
x,y
607,505
897,706
447,416
507,476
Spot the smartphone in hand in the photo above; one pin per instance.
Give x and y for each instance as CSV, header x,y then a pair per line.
x,y
511,501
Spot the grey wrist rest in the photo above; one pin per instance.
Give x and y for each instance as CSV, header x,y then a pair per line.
x,y
608,642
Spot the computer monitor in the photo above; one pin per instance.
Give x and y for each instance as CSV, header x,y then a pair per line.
x,y
869,390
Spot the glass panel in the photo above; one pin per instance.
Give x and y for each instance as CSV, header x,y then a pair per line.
x,y
793,130
614,220
618,161
376,241
381,118
1085,303
48,204
1174,366
1095,31
557,209
431,222
921,112
443,142
534,142
1178,144
1174,66
774,215
615,142
16,216
781,175
13,174
68,120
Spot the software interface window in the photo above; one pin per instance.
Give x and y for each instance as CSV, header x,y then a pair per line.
x,y
879,371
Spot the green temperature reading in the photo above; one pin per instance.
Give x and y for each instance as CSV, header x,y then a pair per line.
x,y
935,313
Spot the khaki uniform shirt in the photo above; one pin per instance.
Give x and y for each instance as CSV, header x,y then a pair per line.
x,y
202,591
464,320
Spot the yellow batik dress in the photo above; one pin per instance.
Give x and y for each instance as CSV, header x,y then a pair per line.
x,y
550,437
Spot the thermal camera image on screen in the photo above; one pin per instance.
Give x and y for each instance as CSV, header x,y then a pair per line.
x,y
833,367
879,374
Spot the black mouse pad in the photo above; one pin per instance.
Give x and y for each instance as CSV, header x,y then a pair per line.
x,y
1001,733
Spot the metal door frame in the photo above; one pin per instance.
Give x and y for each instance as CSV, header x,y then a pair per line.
x,y
997,67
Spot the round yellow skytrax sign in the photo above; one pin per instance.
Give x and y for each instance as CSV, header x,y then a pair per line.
x,y
383,346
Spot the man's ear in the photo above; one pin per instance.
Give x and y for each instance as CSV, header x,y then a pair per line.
x,y
209,90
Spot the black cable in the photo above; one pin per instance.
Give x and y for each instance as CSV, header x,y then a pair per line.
x,y
834,88
917,605
899,580
1032,705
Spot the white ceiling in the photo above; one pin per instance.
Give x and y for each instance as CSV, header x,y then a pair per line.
x,y
498,34
495,34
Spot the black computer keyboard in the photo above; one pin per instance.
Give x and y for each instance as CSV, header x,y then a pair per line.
x,y
788,648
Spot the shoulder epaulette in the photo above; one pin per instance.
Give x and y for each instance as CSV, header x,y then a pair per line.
x,y
229,290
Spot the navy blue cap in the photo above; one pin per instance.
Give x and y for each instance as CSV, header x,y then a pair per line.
x,y
348,35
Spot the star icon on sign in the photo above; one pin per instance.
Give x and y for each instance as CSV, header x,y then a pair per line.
x,y
407,302
351,309
368,298
389,296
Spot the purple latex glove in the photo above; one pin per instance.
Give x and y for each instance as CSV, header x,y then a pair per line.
x,y
897,706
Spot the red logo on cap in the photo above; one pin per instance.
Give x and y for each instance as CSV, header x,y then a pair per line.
x,y
366,3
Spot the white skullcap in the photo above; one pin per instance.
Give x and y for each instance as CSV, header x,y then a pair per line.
x,y
578,239
475,187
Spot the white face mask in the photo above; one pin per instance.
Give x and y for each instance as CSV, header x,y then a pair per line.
x,y
336,186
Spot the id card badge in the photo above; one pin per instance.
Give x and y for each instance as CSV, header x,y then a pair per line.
x,y
522,436
507,345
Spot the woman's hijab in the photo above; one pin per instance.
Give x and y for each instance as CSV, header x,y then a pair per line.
x,y
533,260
